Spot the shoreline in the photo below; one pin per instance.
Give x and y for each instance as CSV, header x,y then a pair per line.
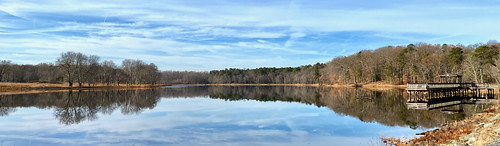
x,y
480,129
6,87
32,88
369,85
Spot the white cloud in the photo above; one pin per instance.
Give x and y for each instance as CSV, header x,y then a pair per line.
x,y
189,29
168,54
410,18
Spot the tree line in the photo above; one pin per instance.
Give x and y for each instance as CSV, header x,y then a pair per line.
x,y
416,63
78,68
308,74
419,62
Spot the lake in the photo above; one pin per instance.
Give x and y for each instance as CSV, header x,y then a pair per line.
x,y
206,115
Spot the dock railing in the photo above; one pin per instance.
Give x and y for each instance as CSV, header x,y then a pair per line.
x,y
416,86
438,86
431,86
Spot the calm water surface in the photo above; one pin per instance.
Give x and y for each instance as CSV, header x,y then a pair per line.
x,y
215,116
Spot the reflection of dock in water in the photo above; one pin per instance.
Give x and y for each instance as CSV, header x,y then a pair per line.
x,y
428,106
443,104
451,91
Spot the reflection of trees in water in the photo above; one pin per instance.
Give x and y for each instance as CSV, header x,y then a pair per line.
x,y
266,93
387,107
75,107
72,109
185,92
4,111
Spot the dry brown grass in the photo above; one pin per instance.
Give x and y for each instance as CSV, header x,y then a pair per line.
x,y
37,87
382,85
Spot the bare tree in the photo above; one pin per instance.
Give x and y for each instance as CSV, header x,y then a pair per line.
x,y
152,74
67,62
47,72
495,71
92,69
128,68
108,72
4,67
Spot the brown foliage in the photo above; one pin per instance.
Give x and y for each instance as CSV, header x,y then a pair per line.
x,y
414,63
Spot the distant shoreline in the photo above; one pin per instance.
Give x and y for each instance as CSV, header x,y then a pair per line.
x,y
19,88
372,86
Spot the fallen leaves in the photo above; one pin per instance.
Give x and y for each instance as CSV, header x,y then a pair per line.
x,y
480,129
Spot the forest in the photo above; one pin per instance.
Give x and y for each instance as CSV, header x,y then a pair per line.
x,y
413,63
418,62
392,64
78,68
308,74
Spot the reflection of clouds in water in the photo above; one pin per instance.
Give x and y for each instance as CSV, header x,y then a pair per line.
x,y
197,121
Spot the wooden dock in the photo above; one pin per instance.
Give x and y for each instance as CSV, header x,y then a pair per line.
x,y
432,95
424,92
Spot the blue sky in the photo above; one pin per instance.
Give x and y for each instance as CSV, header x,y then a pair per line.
x,y
205,35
